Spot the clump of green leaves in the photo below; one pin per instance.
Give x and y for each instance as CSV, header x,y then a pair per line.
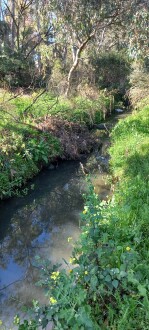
x,y
22,157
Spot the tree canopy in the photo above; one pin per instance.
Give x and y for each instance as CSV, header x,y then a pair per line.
x,y
37,35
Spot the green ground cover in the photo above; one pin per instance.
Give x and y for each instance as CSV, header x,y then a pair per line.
x,y
24,147
106,282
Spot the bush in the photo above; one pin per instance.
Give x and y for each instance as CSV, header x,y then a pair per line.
x,y
21,158
111,71
139,91
15,70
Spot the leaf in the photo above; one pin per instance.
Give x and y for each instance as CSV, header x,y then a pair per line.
x,y
114,271
123,267
84,317
94,282
119,248
37,257
65,261
44,323
123,273
115,283
99,252
45,159
108,278
142,290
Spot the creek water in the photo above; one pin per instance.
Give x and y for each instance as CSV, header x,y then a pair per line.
x,y
39,224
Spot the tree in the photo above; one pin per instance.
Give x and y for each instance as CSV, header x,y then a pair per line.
x,y
29,27
84,21
64,29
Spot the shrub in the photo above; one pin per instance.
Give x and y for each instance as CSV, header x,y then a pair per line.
x,y
112,71
139,91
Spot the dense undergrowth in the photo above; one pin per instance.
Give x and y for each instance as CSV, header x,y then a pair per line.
x,y
106,283
33,134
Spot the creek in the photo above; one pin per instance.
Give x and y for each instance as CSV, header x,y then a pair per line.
x,y
40,224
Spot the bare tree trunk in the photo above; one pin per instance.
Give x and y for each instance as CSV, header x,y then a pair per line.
x,y
39,37
76,57
13,27
0,10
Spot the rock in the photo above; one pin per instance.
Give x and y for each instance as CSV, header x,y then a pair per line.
x,y
51,167
66,187
103,163
119,110
101,126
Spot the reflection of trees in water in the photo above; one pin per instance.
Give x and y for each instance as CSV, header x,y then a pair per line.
x,y
53,209
32,220
26,226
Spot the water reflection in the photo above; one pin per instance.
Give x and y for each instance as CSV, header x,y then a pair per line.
x,y
39,223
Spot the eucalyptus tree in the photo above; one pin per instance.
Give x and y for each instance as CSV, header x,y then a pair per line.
x,y
37,32
29,27
84,21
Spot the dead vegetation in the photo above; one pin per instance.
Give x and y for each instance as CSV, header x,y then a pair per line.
x,y
76,139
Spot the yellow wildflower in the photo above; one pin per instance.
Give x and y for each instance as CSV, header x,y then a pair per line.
x,y
1,322
55,275
16,320
70,270
52,300
84,212
128,248
69,239
71,260
86,272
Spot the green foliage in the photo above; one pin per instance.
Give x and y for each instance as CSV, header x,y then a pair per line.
x,y
112,70
138,34
139,91
22,156
78,109
105,284
25,149
15,70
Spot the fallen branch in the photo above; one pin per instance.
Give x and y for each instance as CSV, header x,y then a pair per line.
x,y
35,99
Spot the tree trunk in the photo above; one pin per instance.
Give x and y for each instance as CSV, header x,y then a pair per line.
x,y
39,37
13,28
76,58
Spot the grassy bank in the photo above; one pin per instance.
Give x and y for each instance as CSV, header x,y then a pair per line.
x,y
106,283
36,129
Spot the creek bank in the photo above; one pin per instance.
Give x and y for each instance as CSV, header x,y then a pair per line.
x,y
108,283
52,140
78,140
47,218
